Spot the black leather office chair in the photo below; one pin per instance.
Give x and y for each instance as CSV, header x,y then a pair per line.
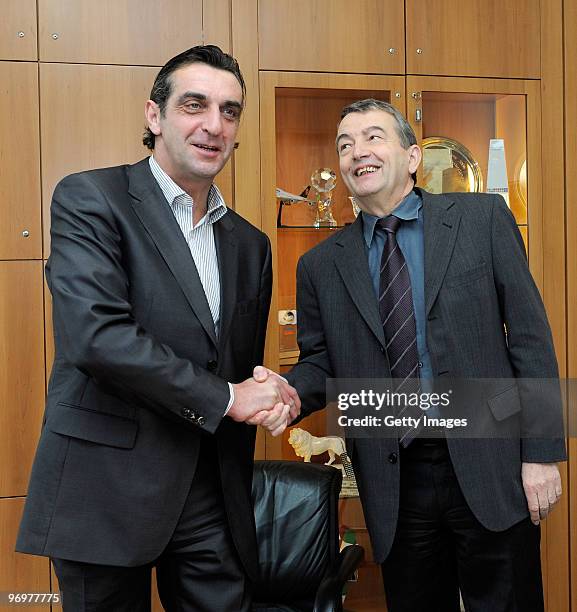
x,y
296,507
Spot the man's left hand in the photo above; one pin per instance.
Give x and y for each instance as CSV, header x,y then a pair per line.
x,y
542,485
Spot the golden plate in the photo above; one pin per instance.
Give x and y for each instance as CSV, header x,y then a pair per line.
x,y
449,166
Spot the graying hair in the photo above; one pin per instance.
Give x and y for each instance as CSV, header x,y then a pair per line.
x,y
404,130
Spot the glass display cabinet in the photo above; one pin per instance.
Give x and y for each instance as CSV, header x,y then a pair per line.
x,y
481,135
299,117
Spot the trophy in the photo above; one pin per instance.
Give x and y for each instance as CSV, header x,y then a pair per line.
x,y
306,445
449,166
323,181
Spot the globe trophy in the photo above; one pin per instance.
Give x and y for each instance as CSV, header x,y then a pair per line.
x,y
323,181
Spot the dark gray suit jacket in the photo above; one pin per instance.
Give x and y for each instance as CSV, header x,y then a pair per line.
x,y
139,375
476,282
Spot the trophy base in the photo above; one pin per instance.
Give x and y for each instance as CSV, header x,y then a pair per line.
x,y
332,223
325,220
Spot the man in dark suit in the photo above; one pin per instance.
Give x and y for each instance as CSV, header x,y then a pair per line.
x,y
444,511
161,296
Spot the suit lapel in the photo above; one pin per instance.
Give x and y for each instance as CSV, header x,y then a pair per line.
x,y
352,264
227,250
441,223
149,204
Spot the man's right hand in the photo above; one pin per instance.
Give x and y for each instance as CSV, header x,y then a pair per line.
x,y
263,403
290,394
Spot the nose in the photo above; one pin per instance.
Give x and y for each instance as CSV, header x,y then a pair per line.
x,y
360,150
213,121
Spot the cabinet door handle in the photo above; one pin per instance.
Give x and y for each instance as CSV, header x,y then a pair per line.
x,y
418,115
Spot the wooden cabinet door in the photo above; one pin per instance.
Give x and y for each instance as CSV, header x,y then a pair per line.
x,y
20,224
92,117
474,38
366,36
145,32
18,30
21,371
19,573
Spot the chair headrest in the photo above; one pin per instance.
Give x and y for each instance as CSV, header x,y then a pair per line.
x,y
296,515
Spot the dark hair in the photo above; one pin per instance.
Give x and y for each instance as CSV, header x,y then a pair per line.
x,y
402,126
210,55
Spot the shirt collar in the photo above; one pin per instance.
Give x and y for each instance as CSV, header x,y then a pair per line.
x,y
407,210
176,196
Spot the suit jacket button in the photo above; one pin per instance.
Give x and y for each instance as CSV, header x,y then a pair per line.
x,y
212,365
185,412
393,458
200,421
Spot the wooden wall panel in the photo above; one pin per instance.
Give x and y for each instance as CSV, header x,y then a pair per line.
x,y
55,588
332,35
570,31
247,159
216,24
21,371
216,30
143,32
556,550
19,162
18,572
91,117
474,38
18,30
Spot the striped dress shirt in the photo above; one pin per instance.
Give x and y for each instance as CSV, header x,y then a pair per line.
x,y
199,237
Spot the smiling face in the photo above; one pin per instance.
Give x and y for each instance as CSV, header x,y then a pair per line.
x,y
373,163
195,135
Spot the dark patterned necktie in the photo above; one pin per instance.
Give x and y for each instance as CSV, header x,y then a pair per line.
x,y
398,318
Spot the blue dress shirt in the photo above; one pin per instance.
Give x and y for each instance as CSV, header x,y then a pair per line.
x,y
411,243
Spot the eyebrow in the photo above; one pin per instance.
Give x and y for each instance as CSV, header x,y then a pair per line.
x,y
187,95
191,94
365,131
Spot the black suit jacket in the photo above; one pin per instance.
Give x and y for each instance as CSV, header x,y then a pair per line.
x,y
477,284
139,375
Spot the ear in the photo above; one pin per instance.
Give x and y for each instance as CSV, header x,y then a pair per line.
x,y
152,115
415,156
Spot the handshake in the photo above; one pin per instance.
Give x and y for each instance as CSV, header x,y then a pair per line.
x,y
266,399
